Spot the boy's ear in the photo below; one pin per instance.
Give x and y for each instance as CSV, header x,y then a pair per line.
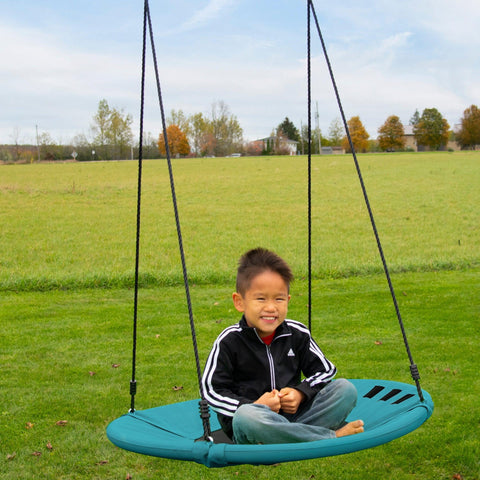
x,y
238,302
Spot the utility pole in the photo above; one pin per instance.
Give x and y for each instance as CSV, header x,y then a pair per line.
x,y
317,125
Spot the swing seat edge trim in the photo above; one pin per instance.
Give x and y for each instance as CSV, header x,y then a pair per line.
x,y
389,409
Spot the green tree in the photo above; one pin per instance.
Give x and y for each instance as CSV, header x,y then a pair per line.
x,y
358,134
150,146
49,150
83,147
432,130
112,132
303,147
201,135
469,134
391,134
226,130
120,134
289,130
336,132
415,118
181,120
101,123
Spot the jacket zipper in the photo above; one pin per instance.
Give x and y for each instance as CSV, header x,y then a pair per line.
x,y
272,367
271,364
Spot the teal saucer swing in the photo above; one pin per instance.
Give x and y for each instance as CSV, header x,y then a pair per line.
x,y
389,410
185,430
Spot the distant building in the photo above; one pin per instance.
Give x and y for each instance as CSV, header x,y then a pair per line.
x,y
409,137
411,142
333,150
279,145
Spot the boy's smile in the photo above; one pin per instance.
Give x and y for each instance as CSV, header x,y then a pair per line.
x,y
265,303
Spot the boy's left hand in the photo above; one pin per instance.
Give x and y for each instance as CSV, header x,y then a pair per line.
x,y
290,399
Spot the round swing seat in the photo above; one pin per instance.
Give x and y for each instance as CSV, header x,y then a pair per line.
x,y
389,410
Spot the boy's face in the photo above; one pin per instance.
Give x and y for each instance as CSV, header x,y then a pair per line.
x,y
265,303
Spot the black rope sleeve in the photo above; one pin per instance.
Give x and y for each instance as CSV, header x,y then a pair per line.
x,y
413,367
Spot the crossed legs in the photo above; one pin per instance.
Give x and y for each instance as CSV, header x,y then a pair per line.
x,y
323,417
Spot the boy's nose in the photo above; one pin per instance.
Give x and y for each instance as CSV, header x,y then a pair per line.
x,y
270,306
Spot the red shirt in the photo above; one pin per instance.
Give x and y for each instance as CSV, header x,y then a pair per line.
x,y
268,339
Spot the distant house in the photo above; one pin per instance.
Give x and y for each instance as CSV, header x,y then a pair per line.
x,y
333,150
411,143
279,145
409,138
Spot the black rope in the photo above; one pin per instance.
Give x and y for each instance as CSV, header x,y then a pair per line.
x,y
413,367
204,411
133,382
309,163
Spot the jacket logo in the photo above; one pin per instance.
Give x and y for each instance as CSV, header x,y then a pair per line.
x,y
290,353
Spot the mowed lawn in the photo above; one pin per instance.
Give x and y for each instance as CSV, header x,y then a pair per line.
x,y
73,225
66,269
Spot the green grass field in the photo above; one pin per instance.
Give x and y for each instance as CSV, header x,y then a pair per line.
x,y
66,269
72,225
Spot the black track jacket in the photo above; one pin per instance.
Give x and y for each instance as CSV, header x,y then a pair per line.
x,y
241,368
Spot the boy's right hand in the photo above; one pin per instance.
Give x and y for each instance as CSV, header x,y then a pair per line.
x,y
271,400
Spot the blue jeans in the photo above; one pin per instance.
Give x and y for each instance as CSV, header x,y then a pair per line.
x,y
316,419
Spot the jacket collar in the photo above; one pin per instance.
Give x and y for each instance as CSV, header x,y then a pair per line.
x,y
282,329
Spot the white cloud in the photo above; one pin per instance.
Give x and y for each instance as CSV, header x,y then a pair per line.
x,y
39,62
454,23
55,86
212,10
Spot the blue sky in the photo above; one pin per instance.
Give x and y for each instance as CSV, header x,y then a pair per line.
x,y
60,58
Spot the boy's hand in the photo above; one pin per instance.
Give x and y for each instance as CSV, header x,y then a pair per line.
x,y
271,400
290,399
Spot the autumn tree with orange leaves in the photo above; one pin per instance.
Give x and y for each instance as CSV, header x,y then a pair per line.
x,y
391,134
469,134
177,142
358,134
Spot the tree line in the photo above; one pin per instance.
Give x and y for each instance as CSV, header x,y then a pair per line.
x,y
219,134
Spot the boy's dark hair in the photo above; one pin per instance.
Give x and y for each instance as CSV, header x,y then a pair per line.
x,y
257,261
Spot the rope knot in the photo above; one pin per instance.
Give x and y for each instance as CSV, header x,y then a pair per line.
x,y
133,387
204,409
414,371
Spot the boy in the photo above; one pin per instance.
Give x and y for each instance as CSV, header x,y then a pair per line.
x,y
252,377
